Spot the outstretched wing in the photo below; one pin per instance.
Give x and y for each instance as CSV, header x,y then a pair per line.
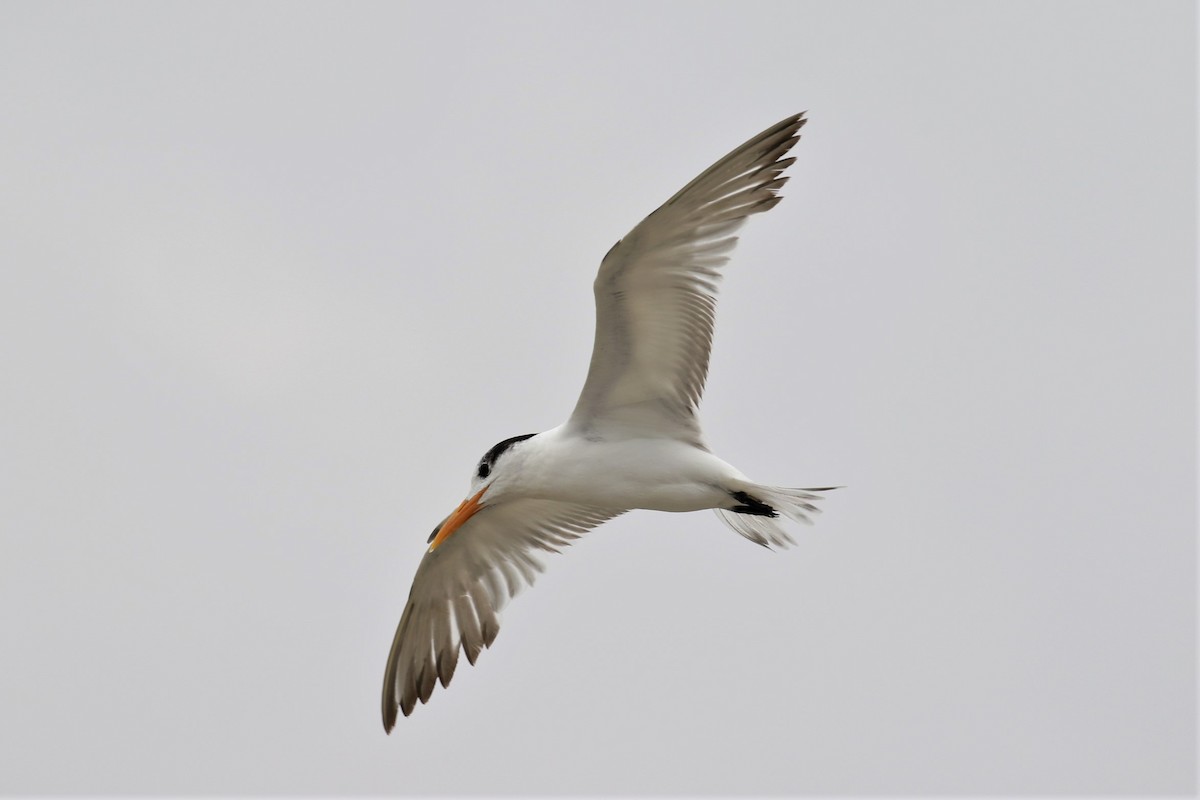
x,y
656,294
461,586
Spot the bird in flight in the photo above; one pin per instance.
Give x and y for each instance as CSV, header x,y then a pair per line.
x,y
633,440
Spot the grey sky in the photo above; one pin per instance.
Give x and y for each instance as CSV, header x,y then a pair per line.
x,y
275,275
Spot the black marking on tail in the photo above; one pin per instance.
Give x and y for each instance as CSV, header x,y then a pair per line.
x,y
752,505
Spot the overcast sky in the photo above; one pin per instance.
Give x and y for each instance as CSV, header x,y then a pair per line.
x,y
274,275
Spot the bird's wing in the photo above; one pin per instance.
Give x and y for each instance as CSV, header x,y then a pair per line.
x,y
656,294
461,586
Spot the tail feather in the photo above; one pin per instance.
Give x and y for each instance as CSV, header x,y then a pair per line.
x,y
757,511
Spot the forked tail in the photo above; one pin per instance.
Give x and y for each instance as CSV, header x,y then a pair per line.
x,y
754,512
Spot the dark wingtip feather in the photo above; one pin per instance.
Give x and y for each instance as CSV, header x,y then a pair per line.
x,y
426,680
446,662
489,631
767,203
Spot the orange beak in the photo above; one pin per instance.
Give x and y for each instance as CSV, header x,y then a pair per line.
x,y
466,509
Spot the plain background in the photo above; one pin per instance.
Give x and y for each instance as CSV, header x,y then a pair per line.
x,y
274,275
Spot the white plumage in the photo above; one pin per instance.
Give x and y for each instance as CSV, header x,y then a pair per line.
x,y
633,440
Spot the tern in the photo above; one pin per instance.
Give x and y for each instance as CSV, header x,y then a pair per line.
x,y
633,440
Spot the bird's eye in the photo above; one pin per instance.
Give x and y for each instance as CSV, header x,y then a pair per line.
x,y
484,470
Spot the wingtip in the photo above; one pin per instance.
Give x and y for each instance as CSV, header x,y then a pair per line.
x,y
393,707
795,121
798,121
788,126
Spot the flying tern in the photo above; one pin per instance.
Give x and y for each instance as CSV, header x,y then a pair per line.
x,y
633,440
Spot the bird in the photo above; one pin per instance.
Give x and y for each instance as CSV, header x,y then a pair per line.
x,y
633,440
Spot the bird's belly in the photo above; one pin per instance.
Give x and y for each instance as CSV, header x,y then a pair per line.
x,y
670,496
660,475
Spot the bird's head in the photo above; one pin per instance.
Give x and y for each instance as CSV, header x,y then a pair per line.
x,y
487,483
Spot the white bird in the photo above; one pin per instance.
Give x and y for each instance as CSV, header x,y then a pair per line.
x,y
633,440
